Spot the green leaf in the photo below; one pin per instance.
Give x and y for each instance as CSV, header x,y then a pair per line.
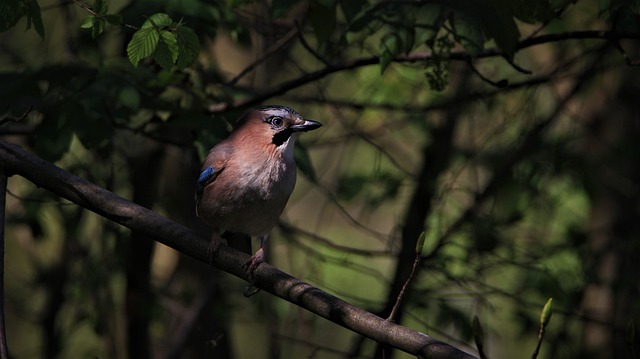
x,y
499,24
10,13
429,18
129,97
98,27
188,47
34,17
420,243
171,40
547,311
143,44
101,7
87,22
390,47
158,20
163,55
469,33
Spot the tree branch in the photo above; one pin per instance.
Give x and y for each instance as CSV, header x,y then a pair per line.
x,y
459,55
15,160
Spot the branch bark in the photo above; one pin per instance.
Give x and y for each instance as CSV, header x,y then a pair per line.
x,y
15,160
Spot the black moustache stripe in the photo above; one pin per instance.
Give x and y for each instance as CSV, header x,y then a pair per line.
x,y
282,136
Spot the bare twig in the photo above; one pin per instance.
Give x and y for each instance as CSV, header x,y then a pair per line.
x,y
272,50
394,311
16,119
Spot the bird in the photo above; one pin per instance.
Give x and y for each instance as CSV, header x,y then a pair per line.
x,y
246,179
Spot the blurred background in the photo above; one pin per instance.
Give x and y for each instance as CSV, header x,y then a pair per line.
x,y
507,131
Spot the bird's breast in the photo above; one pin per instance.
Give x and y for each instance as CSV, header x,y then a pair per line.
x,y
249,195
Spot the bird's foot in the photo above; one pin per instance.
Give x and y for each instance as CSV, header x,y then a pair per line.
x,y
253,262
250,266
214,245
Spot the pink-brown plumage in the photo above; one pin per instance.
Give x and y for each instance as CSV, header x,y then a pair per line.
x,y
247,178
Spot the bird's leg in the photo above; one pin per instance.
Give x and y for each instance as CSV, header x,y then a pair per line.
x,y
214,244
252,263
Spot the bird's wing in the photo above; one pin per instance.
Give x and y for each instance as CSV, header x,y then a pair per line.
x,y
213,165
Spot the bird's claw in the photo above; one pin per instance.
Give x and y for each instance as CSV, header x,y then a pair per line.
x,y
250,266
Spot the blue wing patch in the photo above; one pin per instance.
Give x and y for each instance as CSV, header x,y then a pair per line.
x,y
207,175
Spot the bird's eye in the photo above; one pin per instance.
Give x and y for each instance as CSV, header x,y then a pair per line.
x,y
277,121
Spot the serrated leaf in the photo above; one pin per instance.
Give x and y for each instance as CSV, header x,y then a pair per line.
x,y
188,47
163,55
98,27
142,45
87,22
158,20
171,40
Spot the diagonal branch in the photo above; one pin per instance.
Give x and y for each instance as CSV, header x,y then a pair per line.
x,y
15,160
417,57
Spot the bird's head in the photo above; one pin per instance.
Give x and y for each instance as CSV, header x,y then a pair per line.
x,y
275,125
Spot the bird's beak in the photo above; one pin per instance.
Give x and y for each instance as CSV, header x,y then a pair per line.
x,y
307,125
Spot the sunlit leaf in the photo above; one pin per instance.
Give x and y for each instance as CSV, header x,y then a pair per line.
x,y
87,22
158,20
143,43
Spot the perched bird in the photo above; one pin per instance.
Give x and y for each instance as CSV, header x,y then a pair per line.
x,y
246,179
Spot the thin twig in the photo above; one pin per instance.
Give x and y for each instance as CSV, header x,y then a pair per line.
x,y
308,47
270,51
15,119
414,270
